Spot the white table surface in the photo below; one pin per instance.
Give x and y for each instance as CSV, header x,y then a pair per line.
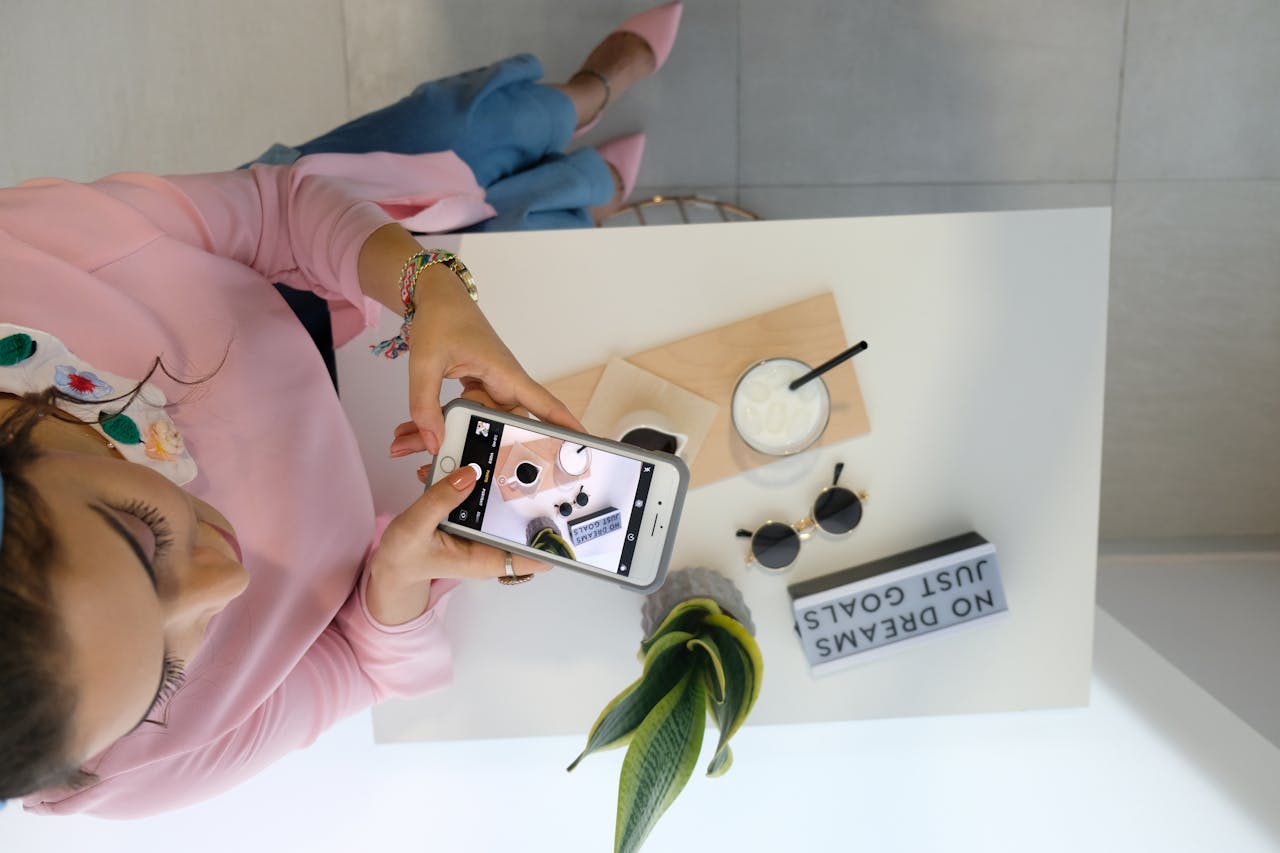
x,y
984,386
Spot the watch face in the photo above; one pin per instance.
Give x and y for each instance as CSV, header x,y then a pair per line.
x,y
465,274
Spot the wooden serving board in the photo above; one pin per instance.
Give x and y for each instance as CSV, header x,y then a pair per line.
x,y
709,364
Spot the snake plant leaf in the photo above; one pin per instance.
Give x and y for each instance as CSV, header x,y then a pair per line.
x,y
552,542
721,763
660,761
714,670
737,689
666,664
685,616
743,670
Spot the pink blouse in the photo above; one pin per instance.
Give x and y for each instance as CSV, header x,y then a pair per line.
x,y
133,267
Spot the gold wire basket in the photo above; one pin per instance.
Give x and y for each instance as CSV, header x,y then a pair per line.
x,y
678,210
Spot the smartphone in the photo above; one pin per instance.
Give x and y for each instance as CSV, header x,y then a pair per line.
x,y
607,509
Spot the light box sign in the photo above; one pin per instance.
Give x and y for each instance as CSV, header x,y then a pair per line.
x,y
842,616
593,526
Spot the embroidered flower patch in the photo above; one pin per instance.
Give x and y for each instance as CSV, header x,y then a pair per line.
x,y
81,384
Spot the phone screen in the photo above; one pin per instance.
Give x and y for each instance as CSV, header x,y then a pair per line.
x,y
558,496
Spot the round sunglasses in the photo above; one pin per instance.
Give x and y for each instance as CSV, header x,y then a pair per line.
x,y
565,508
836,510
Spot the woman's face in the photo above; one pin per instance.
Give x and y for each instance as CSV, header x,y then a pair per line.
x,y
143,568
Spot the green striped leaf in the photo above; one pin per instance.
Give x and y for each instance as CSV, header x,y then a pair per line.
x,y
714,669
685,616
743,672
552,542
721,763
660,761
668,661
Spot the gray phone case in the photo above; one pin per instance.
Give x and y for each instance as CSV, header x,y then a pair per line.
x,y
677,504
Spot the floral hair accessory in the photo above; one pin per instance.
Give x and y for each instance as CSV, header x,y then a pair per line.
x,y
163,441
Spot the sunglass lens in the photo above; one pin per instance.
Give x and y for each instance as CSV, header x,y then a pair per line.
x,y
775,545
837,510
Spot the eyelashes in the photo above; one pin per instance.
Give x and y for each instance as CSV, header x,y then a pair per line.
x,y
174,674
154,519
174,677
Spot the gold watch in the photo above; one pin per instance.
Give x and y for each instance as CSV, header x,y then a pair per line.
x,y
463,274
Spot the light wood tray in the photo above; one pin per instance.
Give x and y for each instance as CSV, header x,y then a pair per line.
x,y
710,363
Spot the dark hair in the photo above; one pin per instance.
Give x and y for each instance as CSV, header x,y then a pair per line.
x,y
36,698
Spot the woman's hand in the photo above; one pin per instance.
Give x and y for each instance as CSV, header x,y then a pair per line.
x,y
450,338
413,552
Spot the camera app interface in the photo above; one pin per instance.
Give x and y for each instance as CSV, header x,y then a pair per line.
x,y
562,497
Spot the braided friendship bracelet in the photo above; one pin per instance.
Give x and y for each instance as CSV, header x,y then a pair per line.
x,y
392,347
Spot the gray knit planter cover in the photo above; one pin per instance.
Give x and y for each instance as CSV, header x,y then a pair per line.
x,y
695,582
537,525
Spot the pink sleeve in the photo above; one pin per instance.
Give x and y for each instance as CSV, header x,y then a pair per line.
x,y
400,660
355,663
304,225
304,232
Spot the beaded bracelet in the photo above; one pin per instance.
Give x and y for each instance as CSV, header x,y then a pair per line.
x,y
392,347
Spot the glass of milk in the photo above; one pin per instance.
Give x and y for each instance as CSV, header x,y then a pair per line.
x,y
574,459
773,419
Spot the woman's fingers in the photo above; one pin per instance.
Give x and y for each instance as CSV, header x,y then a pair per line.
x,y
489,562
407,440
520,395
426,375
545,405
481,363
475,393
444,497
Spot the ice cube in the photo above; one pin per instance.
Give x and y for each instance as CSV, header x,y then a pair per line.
x,y
756,390
749,420
776,418
801,423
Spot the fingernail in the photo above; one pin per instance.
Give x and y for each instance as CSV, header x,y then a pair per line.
x,y
398,452
466,477
423,472
433,443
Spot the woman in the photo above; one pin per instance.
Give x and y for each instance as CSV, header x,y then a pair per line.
x,y
187,585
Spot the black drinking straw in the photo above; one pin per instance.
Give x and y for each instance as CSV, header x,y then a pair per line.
x,y
830,363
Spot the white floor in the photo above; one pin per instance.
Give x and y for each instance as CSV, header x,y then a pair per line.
x,y
1153,764
1208,606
